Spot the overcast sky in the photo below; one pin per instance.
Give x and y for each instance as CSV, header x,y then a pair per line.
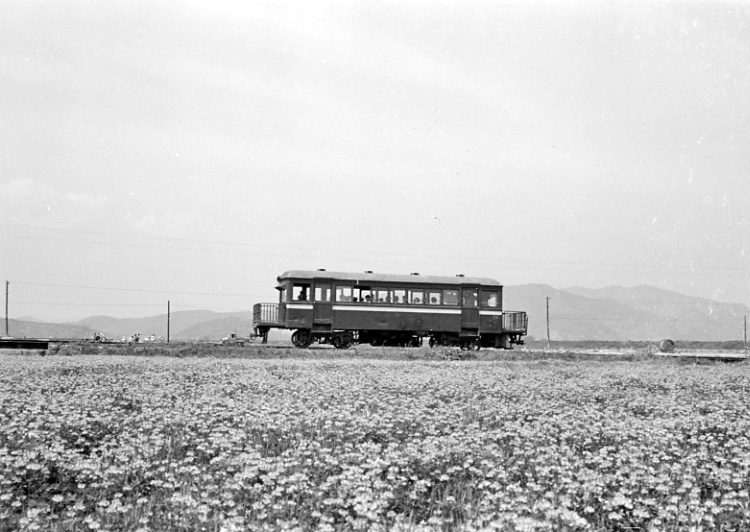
x,y
193,151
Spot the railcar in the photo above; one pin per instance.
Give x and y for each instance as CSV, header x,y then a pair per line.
x,y
343,309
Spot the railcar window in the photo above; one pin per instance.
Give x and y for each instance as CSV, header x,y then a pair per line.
x,y
382,295
488,299
399,296
470,297
323,293
363,294
344,294
434,297
416,297
300,292
450,297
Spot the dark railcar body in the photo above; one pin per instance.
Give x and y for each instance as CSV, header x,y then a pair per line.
x,y
380,309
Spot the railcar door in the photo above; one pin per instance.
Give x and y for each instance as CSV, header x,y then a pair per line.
x,y
322,305
470,310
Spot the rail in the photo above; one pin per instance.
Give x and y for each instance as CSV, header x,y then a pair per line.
x,y
515,321
265,314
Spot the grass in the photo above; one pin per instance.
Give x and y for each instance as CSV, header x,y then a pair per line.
x,y
211,438
258,351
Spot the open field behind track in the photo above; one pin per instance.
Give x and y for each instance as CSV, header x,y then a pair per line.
x,y
266,439
560,351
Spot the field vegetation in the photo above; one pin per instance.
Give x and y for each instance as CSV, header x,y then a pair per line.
x,y
368,440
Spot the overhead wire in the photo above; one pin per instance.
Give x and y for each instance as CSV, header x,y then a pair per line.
x,y
139,290
338,250
669,320
87,304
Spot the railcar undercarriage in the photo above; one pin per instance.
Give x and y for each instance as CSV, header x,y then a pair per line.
x,y
344,339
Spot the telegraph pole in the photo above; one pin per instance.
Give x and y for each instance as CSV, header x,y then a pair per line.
x,y
6,308
169,317
745,336
548,345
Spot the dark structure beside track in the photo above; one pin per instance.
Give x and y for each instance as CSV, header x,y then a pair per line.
x,y
31,344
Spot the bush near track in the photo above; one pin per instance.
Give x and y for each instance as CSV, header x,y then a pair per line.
x,y
155,443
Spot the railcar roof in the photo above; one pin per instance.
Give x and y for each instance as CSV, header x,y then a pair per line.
x,y
386,278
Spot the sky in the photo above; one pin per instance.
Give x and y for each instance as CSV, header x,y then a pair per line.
x,y
190,152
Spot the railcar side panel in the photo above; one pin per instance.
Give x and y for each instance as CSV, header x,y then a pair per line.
x,y
490,321
383,318
298,315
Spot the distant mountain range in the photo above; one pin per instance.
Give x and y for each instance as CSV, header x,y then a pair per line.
x,y
615,313
183,325
622,314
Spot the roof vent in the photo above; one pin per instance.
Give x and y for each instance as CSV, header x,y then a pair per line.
x,y
368,271
415,273
321,269
459,275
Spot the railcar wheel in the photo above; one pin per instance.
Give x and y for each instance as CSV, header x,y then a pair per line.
x,y
470,345
340,342
433,341
301,338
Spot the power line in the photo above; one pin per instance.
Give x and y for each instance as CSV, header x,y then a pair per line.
x,y
245,295
338,250
82,304
231,309
669,320
463,261
139,290
651,313
99,305
702,301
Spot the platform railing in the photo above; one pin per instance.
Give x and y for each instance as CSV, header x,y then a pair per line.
x,y
515,321
265,314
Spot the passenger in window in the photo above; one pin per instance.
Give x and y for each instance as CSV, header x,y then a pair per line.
x,y
395,299
302,296
433,301
417,301
450,297
368,299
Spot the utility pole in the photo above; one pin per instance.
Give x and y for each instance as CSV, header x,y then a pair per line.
x,y
169,317
745,336
548,345
6,308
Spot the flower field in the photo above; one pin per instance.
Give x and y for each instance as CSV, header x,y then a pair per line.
x,y
96,443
